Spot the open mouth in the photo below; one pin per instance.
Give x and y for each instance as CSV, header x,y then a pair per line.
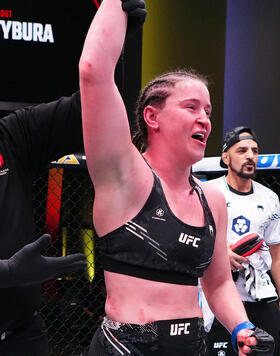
x,y
199,136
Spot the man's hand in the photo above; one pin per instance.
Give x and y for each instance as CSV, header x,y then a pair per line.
x,y
255,342
136,11
236,260
28,266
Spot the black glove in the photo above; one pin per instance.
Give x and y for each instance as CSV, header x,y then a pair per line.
x,y
28,266
265,343
136,11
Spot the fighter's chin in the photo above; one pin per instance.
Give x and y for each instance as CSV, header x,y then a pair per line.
x,y
198,157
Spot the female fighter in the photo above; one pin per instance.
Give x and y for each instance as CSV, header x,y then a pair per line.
x,y
160,229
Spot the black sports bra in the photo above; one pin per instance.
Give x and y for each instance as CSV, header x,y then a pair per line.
x,y
156,245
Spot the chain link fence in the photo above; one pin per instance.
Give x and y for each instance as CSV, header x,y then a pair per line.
x,y
73,306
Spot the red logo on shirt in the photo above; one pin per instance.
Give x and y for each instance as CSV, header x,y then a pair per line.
x,y
1,161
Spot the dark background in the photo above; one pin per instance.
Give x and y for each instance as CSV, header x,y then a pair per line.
x,y
252,72
42,71
35,72
236,43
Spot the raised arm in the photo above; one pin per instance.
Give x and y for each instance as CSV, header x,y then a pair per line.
x,y
106,130
117,169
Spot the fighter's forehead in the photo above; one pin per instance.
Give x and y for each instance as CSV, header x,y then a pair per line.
x,y
190,89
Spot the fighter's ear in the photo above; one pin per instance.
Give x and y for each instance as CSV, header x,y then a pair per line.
x,y
150,115
225,158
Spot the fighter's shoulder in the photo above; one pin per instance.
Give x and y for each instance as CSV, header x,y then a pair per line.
x,y
216,201
216,181
217,184
212,191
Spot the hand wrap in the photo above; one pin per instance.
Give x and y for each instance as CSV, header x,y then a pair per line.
x,y
265,345
136,11
245,325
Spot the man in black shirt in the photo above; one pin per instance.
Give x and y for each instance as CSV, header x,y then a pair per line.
x,y
30,138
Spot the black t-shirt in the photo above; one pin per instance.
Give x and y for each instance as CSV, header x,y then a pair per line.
x,y
30,138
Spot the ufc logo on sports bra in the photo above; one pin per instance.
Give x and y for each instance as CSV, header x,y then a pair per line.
x,y
220,345
189,240
179,329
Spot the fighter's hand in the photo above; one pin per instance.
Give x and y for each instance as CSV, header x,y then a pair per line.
x,y
28,266
136,11
236,260
256,342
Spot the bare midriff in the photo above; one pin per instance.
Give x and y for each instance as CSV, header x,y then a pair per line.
x,y
139,301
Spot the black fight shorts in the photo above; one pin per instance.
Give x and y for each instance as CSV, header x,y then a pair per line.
x,y
180,337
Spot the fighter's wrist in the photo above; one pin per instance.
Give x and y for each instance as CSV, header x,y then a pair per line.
x,y
244,325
